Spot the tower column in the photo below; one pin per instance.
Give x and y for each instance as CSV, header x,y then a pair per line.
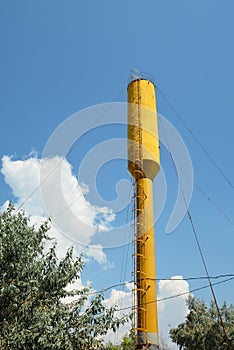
x,y
143,164
146,267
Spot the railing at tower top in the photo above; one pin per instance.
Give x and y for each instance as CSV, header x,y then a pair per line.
x,y
135,74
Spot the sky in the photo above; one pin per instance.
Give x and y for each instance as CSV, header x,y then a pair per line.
x,y
59,59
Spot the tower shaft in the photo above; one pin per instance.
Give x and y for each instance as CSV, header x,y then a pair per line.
x,y
143,164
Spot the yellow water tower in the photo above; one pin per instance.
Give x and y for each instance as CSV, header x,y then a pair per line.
x,y
144,164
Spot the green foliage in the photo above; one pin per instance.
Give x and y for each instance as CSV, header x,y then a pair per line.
x,y
126,344
202,330
110,346
33,314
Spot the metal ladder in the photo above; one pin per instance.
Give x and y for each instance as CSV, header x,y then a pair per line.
x,y
139,290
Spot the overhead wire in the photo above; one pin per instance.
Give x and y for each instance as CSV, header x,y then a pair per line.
x,y
209,199
90,185
179,294
164,298
188,212
185,125
229,275
198,245
221,211
81,194
209,280
215,205
127,245
124,259
37,187
60,162
218,168
99,175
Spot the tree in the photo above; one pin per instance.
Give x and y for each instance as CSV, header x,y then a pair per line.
x,y
110,346
33,314
126,344
202,330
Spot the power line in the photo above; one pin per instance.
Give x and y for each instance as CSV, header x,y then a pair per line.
x,y
196,139
209,199
229,275
179,294
37,187
60,162
213,203
91,184
125,254
199,248
210,284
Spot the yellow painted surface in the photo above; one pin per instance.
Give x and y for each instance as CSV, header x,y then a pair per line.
x,y
142,121
146,251
144,163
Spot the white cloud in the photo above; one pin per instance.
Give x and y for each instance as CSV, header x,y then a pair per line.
x,y
74,220
96,251
23,176
172,311
80,223
77,285
123,299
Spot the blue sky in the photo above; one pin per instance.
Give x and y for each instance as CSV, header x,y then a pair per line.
x,y
59,57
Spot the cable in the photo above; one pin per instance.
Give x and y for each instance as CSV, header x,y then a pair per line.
x,y
98,118
230,275
124,259
180,294
214,204
37,187
69,152
199,248
195,138
125,254
90,185
210,284
195,278
210,200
